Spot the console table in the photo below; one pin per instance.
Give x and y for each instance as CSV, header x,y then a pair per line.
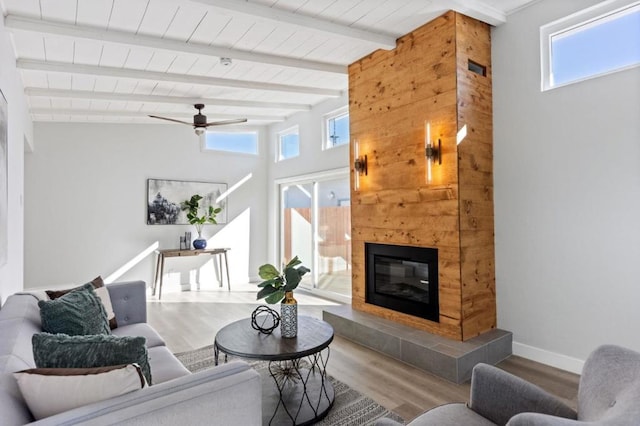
x,y
218,253
300,392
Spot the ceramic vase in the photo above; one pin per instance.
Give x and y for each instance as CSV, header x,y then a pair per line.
x,y
199,243
289,316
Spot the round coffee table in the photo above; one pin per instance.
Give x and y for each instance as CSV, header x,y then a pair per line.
x,y
300,392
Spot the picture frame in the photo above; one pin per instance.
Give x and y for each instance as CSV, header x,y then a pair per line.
x,y
165,196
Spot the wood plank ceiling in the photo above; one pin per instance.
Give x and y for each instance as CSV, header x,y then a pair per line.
x,y
120,60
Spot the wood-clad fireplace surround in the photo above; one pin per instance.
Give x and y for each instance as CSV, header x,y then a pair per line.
x,y
441,74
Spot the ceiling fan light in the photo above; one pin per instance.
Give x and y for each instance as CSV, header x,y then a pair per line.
x,y
200,131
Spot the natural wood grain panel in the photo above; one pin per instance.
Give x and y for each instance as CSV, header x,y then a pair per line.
x,y
445,223
476,223
391,95
449,329
410,238
475,167
431,208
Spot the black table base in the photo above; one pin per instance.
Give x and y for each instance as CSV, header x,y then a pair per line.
x,y
299,393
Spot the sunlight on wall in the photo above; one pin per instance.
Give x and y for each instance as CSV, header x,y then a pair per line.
x,y
236,235
237,185
133,262
462,133
301,244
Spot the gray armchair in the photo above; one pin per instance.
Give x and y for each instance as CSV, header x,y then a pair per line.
x,y
608,395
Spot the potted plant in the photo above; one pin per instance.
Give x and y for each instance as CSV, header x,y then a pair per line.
x,y
192,206
280,285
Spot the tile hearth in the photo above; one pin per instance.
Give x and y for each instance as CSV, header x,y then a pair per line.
x,y
449,359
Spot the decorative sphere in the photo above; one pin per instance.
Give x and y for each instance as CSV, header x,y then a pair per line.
x,y
264,319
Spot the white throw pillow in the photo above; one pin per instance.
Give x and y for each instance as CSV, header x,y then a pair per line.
x,y
103,294
49,391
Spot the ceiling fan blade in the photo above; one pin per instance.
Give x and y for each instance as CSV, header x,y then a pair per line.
x,y
220,123
172,119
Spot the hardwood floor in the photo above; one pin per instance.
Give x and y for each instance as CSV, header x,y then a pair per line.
x,y
189,320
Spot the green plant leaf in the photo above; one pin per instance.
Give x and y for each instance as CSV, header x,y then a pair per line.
x,y
275,297
303,270
275,282
294,276
266,292
293,262
193,205
268,272
292,279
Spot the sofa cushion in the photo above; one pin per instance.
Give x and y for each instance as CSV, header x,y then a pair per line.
x,y
101,291
165,366
21,306
49,391
455,414
62,351
15,338
78,312
13,409
140,329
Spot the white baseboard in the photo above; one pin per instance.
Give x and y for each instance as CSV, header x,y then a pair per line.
x,y
563,362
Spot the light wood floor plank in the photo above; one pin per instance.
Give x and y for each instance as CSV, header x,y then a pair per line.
x,y
189,320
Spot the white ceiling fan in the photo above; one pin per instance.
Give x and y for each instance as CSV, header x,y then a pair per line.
x,y
200,120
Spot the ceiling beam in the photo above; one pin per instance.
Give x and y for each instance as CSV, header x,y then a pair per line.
x,y
279,16
22,23
61,67
110,96
121,113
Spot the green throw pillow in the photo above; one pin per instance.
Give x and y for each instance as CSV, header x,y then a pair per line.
x,y
100,350
78,312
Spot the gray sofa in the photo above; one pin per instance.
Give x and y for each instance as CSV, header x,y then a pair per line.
x,y
228,394
608,395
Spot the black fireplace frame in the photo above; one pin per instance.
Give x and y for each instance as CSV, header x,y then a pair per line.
x,y
430,311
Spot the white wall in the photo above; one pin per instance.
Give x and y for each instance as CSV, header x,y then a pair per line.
x,y
567,200
312,157
20,135
86,191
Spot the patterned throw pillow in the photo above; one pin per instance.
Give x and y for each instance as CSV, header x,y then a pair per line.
x,y
101,291
49,391
78,312
100,350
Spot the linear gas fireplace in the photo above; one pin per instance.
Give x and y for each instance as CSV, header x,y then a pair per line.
x,y
403,278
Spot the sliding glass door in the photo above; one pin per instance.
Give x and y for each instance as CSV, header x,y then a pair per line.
x,y
297,229
315,218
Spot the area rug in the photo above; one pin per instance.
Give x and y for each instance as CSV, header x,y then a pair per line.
x,y
350,407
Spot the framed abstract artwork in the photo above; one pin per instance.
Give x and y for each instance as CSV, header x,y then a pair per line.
x,y
164,198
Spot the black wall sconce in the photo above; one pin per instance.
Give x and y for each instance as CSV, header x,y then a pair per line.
x,y
433,153
359,165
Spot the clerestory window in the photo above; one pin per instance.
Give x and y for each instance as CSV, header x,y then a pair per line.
x,y
593,42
